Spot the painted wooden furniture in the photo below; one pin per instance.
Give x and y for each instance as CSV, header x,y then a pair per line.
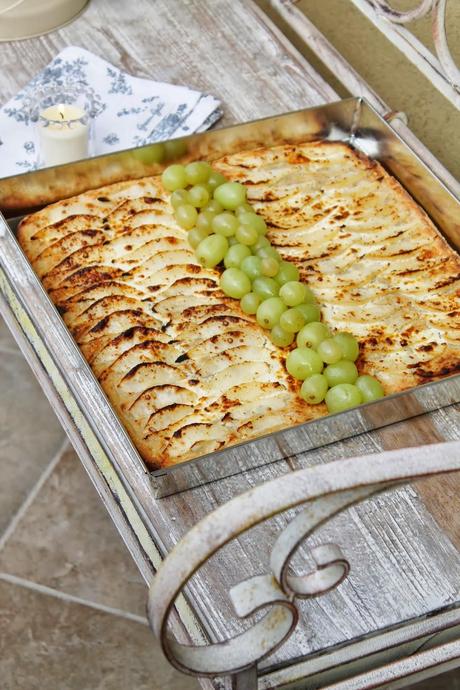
x,y
401,546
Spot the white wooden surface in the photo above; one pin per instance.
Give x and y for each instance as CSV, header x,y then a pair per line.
x,y
228,48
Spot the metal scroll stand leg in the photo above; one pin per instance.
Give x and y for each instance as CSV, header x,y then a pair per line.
x,y
245,680
322,492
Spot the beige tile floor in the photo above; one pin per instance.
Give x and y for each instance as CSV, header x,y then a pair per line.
x,y
71,600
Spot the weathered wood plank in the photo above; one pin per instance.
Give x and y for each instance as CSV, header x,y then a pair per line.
x,y
217,46
441,494
225,47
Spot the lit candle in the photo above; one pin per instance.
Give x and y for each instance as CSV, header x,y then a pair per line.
x,y
64,134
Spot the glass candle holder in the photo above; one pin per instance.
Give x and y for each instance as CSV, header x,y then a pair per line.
x,y
64,125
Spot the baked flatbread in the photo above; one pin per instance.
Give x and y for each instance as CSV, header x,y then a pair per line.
x,y
188,372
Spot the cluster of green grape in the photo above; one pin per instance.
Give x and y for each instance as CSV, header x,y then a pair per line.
x,y
223,227
326,365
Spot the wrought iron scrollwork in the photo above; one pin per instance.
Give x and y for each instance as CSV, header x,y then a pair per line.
x,y
438,8
384,7
326,490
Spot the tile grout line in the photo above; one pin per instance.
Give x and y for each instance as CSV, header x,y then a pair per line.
x,y
33,493
70,598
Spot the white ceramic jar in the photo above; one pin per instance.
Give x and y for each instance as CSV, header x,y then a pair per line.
x,y
28,18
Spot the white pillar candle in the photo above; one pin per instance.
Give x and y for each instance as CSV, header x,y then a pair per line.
x,y
64,135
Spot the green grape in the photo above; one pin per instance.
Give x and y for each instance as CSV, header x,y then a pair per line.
x,y
198,195
268,252
214,207
314,389
235,255
154,153
179,197
215,179
244,208
293,293
197,172
342,397
225,224
212,250
174,148
265,287
252,220
232,241
310,297
312,334
252,266
269,312
349,345
234,283
230,195
174,177
209,191
246,235
310,312
280,337
250,303
292,320
186,216
329,351
269,266
262,241
287,272
204,221
303,362
196,235
341,372
369,387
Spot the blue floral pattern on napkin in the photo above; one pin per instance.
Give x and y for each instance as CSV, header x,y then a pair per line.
x,y
127,111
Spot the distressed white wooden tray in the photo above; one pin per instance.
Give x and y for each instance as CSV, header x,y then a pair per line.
x,y
402,593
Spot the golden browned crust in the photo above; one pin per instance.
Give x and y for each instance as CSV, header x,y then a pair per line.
x,y
373,257
186,370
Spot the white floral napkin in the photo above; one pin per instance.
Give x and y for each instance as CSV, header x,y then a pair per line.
x,y
128,111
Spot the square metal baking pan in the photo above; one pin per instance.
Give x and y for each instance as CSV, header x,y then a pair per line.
x,y
27,307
